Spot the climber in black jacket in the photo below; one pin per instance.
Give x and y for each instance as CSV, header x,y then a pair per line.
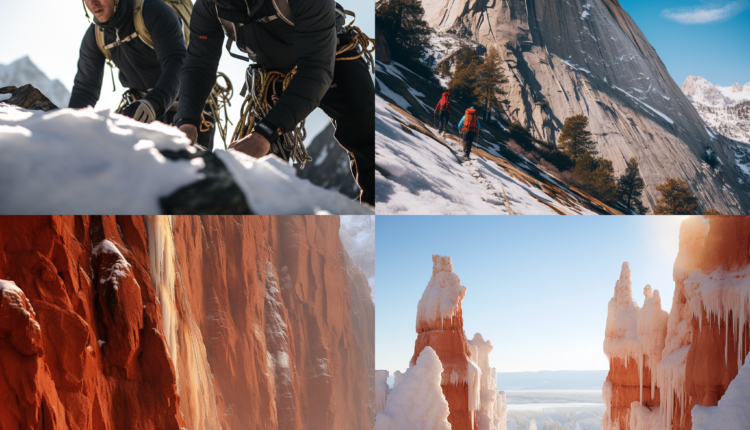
x,y
151,74
342,89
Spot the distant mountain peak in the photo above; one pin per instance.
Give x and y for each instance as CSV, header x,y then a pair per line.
x,y
24,71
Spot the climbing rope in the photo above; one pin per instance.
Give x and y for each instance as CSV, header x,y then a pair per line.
x,y
264,89
218,102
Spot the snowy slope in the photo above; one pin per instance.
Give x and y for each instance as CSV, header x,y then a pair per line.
x,y
23,71
700,90
420,173
726,110
94,162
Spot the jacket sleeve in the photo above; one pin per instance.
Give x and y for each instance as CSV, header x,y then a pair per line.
x,y
169,43
87,86
461,123
479,127
315,54
201,63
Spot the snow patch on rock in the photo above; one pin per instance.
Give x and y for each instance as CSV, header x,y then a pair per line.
x,y
442,297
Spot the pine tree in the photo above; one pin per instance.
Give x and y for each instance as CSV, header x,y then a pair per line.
x,y
490,82
676,198
463,83
598,177
575,139
403,26
711,211
630,187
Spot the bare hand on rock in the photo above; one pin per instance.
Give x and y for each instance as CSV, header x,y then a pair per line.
x,y
253,145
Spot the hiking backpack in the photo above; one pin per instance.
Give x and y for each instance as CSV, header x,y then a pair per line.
x,y
184,9
445,102
470,121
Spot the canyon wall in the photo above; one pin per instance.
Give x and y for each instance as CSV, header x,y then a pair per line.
x,y
588,57
183,322
658,374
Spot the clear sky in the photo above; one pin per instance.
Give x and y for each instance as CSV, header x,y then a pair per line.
x,y
709,38
50,33
537,287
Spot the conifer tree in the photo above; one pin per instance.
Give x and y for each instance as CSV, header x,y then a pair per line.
x,y
598,177
676,198
490,82
463,83
575,139
630,187
403,26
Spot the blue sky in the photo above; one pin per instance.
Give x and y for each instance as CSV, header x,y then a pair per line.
x,y
53,40
537,287
698,37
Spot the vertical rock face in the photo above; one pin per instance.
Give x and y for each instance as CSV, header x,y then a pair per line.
x,y
693,354
440,326
183,322
589,57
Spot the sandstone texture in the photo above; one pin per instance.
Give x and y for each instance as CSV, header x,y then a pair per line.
x,y
124,322
589,57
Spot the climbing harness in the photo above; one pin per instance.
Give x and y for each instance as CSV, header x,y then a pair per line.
x,y
264,88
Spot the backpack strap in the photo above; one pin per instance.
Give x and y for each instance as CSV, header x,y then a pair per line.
x,y
283,11
99,36
183,8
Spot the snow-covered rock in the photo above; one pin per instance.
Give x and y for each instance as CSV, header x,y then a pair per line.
x,y
441,300
732,412
23,71
381,390
726,110
417,403
699,90
94,161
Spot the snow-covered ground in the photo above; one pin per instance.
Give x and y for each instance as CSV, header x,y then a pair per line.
x,y
94,161
557,417
424,176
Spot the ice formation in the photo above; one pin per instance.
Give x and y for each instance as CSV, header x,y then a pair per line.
x,y
381,390
417,403
621,333
442,297
732,412
397,375
491,411
532,424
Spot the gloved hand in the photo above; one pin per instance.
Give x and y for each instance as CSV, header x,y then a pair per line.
x,y
141,110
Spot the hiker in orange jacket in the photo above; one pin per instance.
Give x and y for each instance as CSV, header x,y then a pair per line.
x,y
469,128
443,112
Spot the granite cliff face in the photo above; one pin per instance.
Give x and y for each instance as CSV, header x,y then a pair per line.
x,y
589,57
659,375
185,322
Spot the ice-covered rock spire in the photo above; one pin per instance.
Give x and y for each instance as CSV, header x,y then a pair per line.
x,y
381,390
442,298
621,333
417,402
491,411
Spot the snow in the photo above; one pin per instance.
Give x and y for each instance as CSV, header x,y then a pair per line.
x,y
442,297
732,412
647,106
397,376
161,255
720,294
586,11
94,161
491,413
574,67
277,337
119,269
20,302
621,333
395,98
643,418
381,390
417,403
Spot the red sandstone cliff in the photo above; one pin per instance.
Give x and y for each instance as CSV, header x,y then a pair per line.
x,y
184,322
442,329
706,338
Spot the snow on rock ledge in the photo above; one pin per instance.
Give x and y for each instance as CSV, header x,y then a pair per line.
x,y
732,412
417,403
441,299
95,161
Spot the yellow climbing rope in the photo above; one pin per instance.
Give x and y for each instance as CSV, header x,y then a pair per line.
x,y
218,102
257,103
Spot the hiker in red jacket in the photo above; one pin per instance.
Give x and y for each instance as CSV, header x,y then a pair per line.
x,y
469,128
443,113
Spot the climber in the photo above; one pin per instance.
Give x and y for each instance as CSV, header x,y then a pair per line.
x,y
144,39
303,57
443,112
469,128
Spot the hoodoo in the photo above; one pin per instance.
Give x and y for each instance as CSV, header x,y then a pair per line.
x,y
685,370
183,322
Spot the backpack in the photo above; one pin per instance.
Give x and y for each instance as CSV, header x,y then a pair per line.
x,y
233,14
184,9
470,121
445,102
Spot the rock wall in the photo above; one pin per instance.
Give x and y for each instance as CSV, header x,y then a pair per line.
x,y
183,322
707,335
589,57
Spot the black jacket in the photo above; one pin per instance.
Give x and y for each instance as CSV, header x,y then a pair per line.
x,y
310,45
141,67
